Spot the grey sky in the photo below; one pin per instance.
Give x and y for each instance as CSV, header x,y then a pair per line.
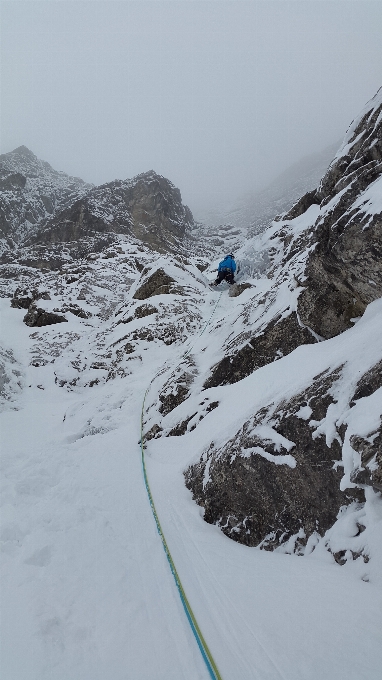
x,y
218,96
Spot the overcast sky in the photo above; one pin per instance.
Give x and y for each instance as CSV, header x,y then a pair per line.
x,y
217,96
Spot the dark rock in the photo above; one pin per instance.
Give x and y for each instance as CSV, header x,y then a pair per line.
x,y
339,272
153,433
302,205
238,288
159,283
279,339
177,388
371,452
76,310
212,406
138,265
14,180
255,500
128,348
368,384
145,310
23,298
344,271
181,428
173,399
40,317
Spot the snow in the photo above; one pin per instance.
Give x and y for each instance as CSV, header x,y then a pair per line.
x,y
369,109
370,201
87,592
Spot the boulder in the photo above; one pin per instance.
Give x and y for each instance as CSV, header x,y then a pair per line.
x,y
159,283
40,317
145,310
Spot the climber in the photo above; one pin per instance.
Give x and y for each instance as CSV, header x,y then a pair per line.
x,y
226,270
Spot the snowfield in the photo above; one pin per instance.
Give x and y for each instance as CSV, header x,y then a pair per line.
x,y
87,592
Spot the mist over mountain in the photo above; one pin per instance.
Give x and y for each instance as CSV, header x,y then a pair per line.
x,y
254,211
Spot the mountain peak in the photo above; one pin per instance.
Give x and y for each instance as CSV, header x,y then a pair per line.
x,y
23,151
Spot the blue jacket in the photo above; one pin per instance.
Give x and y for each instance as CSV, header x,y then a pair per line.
x,y
227,263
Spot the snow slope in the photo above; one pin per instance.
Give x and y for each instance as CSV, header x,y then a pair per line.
x,y
87,592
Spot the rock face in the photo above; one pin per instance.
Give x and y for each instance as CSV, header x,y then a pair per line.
x,y
159,283
32,192
280,338
344,272
272,479
278,476
147,207
41,206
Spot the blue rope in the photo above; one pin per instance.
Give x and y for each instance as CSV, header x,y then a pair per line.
x,y
202,644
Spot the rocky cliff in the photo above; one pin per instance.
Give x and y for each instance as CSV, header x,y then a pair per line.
x,y
343,271
148,207
31,192
325,269
46,216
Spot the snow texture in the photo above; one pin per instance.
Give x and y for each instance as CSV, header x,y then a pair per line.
x,y
87,592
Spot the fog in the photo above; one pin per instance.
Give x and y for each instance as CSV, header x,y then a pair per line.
x,y
220,97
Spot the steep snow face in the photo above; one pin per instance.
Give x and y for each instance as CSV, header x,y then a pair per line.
x,y
32,192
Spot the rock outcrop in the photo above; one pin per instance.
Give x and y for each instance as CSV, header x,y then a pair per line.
x,y
148,207
36,316
158,283
272,479
32,192
279,338
344,273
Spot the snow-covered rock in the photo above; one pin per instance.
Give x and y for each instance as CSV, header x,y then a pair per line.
x,y
148,207
344,273
32,192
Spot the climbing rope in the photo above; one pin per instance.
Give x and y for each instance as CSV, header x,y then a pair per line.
x,y
202,644
201,332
